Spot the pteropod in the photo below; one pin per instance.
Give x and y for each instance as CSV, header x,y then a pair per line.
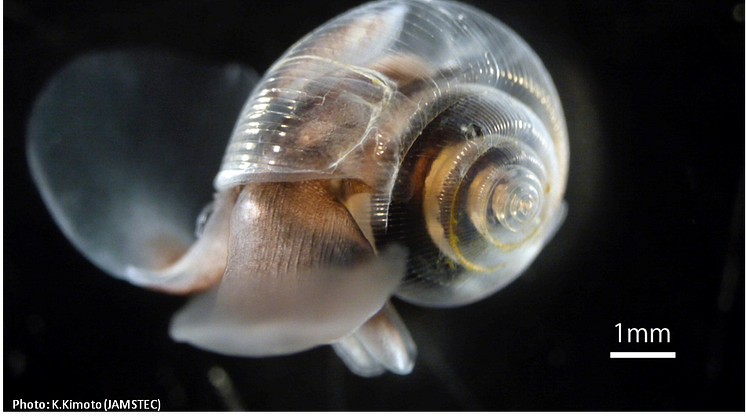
x,y
406,148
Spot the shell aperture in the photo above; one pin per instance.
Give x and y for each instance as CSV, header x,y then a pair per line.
x,y
411,148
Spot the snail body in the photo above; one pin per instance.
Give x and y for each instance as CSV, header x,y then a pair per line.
x,y
410,148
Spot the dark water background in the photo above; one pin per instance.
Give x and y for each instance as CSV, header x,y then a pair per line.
x,y
654,96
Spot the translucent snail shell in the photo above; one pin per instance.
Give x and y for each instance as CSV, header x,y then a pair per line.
x,y
391,90
412,148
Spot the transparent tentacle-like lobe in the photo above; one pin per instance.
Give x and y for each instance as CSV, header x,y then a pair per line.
x,y
412,147
122,146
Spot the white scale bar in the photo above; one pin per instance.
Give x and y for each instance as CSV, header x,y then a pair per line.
x,y
642,354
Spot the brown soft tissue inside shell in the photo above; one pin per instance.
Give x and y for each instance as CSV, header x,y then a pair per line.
x,y
300,273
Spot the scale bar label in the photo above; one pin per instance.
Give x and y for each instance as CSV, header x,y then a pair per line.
x,y
642,354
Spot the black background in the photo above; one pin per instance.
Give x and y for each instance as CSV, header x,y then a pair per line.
x,y
654,97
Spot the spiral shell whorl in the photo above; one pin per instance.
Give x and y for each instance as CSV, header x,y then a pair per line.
x,y
488,191
444,113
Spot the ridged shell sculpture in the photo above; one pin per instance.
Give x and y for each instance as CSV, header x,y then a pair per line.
x,y
411,148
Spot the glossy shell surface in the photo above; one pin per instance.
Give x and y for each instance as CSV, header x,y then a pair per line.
x,y
352,98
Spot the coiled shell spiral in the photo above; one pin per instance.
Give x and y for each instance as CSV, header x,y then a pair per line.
x,y
445,113
412,148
